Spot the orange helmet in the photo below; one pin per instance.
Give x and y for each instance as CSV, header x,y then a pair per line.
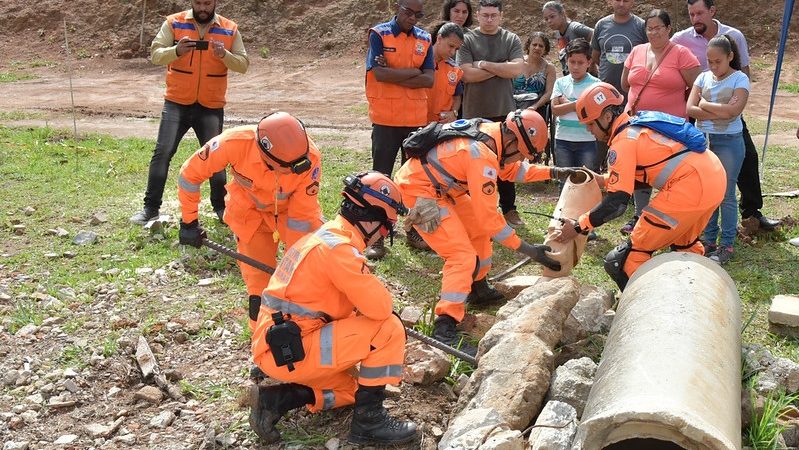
x,y
371,196
595,99
283,139
530,130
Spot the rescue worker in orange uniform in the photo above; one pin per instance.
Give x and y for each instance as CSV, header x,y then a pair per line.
x,y
444,98
198,47
691,185
276,169
452,192
341,315
399,72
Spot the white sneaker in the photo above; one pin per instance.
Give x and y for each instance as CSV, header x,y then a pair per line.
x,y
794,241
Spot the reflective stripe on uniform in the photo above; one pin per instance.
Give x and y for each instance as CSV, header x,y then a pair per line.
x,y
443,212
381,372
283,195
328,399
302,226
454,297
484,263
186,186
503,234
668,170
326,345
328,238
286,307
672,222
474,150
522,172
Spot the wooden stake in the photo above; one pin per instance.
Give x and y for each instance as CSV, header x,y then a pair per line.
x,y
141,34
71,93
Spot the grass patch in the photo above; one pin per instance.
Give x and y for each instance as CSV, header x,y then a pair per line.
x,y
10,77
21,115
765,428
757,125
793,88
32,64
24,313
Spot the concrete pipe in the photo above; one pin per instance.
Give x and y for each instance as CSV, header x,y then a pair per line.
x,y
580,194
670,376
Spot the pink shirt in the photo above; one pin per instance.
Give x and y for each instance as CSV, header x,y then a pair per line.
x,y
666,90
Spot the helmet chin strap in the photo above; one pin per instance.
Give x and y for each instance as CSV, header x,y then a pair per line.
x,y
368,235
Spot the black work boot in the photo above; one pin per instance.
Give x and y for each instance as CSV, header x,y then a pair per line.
x,y
269,403
371,423
145,215
482,293
416,241
376,251
444,331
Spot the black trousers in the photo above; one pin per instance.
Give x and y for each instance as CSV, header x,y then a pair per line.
x,y
386,143
749,179
176,120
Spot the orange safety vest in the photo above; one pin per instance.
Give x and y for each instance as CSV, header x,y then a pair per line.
x,y
322,278
287,203
439,97
391,104
199,76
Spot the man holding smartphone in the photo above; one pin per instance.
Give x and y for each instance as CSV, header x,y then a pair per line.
x,y
198,47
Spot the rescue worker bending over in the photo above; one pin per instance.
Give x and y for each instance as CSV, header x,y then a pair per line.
x,y
341,316
452,191
276,169
691,185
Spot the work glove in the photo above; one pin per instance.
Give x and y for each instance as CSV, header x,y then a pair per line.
x,y
538,253
562,173
191,234
425,215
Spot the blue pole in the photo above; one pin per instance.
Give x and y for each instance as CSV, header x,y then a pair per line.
x,y
786,22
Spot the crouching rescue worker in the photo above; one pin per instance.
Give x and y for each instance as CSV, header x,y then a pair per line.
x,y
452,192
276,169
691,185
324,312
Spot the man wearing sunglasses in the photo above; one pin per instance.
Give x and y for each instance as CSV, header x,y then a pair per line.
x,y
276,169
399,71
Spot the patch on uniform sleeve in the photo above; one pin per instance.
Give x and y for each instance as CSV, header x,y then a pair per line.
x,y
490,173
612,157
312,188
204,152
489,188
613,178
315,173
419,49
452,77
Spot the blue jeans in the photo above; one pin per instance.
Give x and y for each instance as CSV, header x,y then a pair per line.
x,y
576,154
730,150
176,120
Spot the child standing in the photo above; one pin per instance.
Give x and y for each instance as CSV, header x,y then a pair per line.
x,y
717,100
575,146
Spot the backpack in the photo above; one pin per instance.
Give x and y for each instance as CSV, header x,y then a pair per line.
x,y
418,143
672,127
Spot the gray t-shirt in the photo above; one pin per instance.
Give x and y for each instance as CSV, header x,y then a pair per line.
x,y
615,41
574,30
494,96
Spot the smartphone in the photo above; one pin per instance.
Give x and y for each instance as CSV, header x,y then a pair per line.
x,y
200,45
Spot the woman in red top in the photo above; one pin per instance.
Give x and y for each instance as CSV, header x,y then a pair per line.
x,y
657,76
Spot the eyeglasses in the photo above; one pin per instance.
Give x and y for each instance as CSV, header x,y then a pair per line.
x,y
409,12
489,16
655,29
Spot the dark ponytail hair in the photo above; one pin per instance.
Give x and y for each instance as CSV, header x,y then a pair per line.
x,y
727,44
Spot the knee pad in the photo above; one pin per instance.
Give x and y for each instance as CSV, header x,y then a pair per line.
x,y
614,263
254,307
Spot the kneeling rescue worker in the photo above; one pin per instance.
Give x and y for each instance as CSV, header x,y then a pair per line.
x,y
690,185
324,312
276,169
452,192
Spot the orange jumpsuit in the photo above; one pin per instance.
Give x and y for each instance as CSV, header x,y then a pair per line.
x,y
690,187
343,311
466,173
262,206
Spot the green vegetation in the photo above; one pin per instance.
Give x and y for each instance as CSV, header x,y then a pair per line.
x,y
25,312
10,77
264,52
765,428
21,115
793,88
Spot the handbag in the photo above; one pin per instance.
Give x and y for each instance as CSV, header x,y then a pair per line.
x,y
633,109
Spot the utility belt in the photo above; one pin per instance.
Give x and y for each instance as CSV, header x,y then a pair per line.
x,y
284,339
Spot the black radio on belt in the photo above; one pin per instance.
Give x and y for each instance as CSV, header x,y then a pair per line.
x,y
285,341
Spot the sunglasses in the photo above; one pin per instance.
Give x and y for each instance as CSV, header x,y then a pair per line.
x,y
409,12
